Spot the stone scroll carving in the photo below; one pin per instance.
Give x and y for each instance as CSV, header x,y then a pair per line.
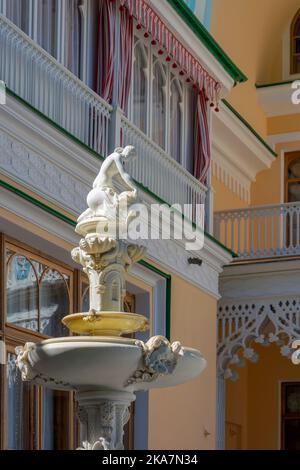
x,y
159,358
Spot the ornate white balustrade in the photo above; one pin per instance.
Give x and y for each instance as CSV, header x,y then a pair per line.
x,y
35,76
159,173
261,231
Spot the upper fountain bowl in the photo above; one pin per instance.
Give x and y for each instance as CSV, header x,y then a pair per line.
x,y
106,323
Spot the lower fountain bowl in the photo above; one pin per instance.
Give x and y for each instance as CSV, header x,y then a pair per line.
x,y
101,363
106,323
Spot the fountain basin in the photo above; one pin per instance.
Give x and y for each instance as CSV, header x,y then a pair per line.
x,y
105,363
106,323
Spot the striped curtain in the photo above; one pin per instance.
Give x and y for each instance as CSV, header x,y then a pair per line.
x,y
107,52
106,49
126,57
201,139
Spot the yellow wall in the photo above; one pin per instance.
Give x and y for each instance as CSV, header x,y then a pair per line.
x,y
251,32
261,397
224,198
236,409
283,124
267,187
179,416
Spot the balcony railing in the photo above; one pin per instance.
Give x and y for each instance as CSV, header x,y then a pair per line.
x,y
36,77
161,174
261,231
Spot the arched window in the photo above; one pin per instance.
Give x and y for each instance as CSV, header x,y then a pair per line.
x,y
175,120
292,177
139,103
295,44
159,105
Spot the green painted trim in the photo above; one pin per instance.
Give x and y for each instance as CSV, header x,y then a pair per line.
x,y
37,203
54,124
217,242
266,85
209,42
168,279
251,129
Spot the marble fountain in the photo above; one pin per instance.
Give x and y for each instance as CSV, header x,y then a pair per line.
x,y
104,368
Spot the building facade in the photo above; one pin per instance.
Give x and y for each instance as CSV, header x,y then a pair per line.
x,y
83,77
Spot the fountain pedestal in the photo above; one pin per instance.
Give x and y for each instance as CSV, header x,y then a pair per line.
x,y
103,416
103,368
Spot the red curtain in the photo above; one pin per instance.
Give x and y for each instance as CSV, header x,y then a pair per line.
x,y
126,57
107,52
201,139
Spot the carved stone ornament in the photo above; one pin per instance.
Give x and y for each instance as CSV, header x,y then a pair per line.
x,y
23,361
159,358
25,366
102,425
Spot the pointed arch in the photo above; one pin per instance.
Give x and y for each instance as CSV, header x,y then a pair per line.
x,y
295,44
176,119
140,87
159,104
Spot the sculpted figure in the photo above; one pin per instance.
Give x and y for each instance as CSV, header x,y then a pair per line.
x,y
104,199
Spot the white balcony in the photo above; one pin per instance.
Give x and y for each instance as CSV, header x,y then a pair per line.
x,y
42,82
261,231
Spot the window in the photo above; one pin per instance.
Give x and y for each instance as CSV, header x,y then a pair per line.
x,y
176,120
290,415
292,194
292,178
21,409
140,88
73,29
47,26
37,292
18,12
159,104
160,92
295,44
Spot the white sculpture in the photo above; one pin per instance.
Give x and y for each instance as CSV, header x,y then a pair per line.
x,y
108,208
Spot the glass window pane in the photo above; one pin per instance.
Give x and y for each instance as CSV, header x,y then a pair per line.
x,y
55,419
294,169
292,398
175,124
22,293
140,89
73,36
293,192
85,298
296,64
296,31
292,434
18,12
21,415
54,303
47,25
159,107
